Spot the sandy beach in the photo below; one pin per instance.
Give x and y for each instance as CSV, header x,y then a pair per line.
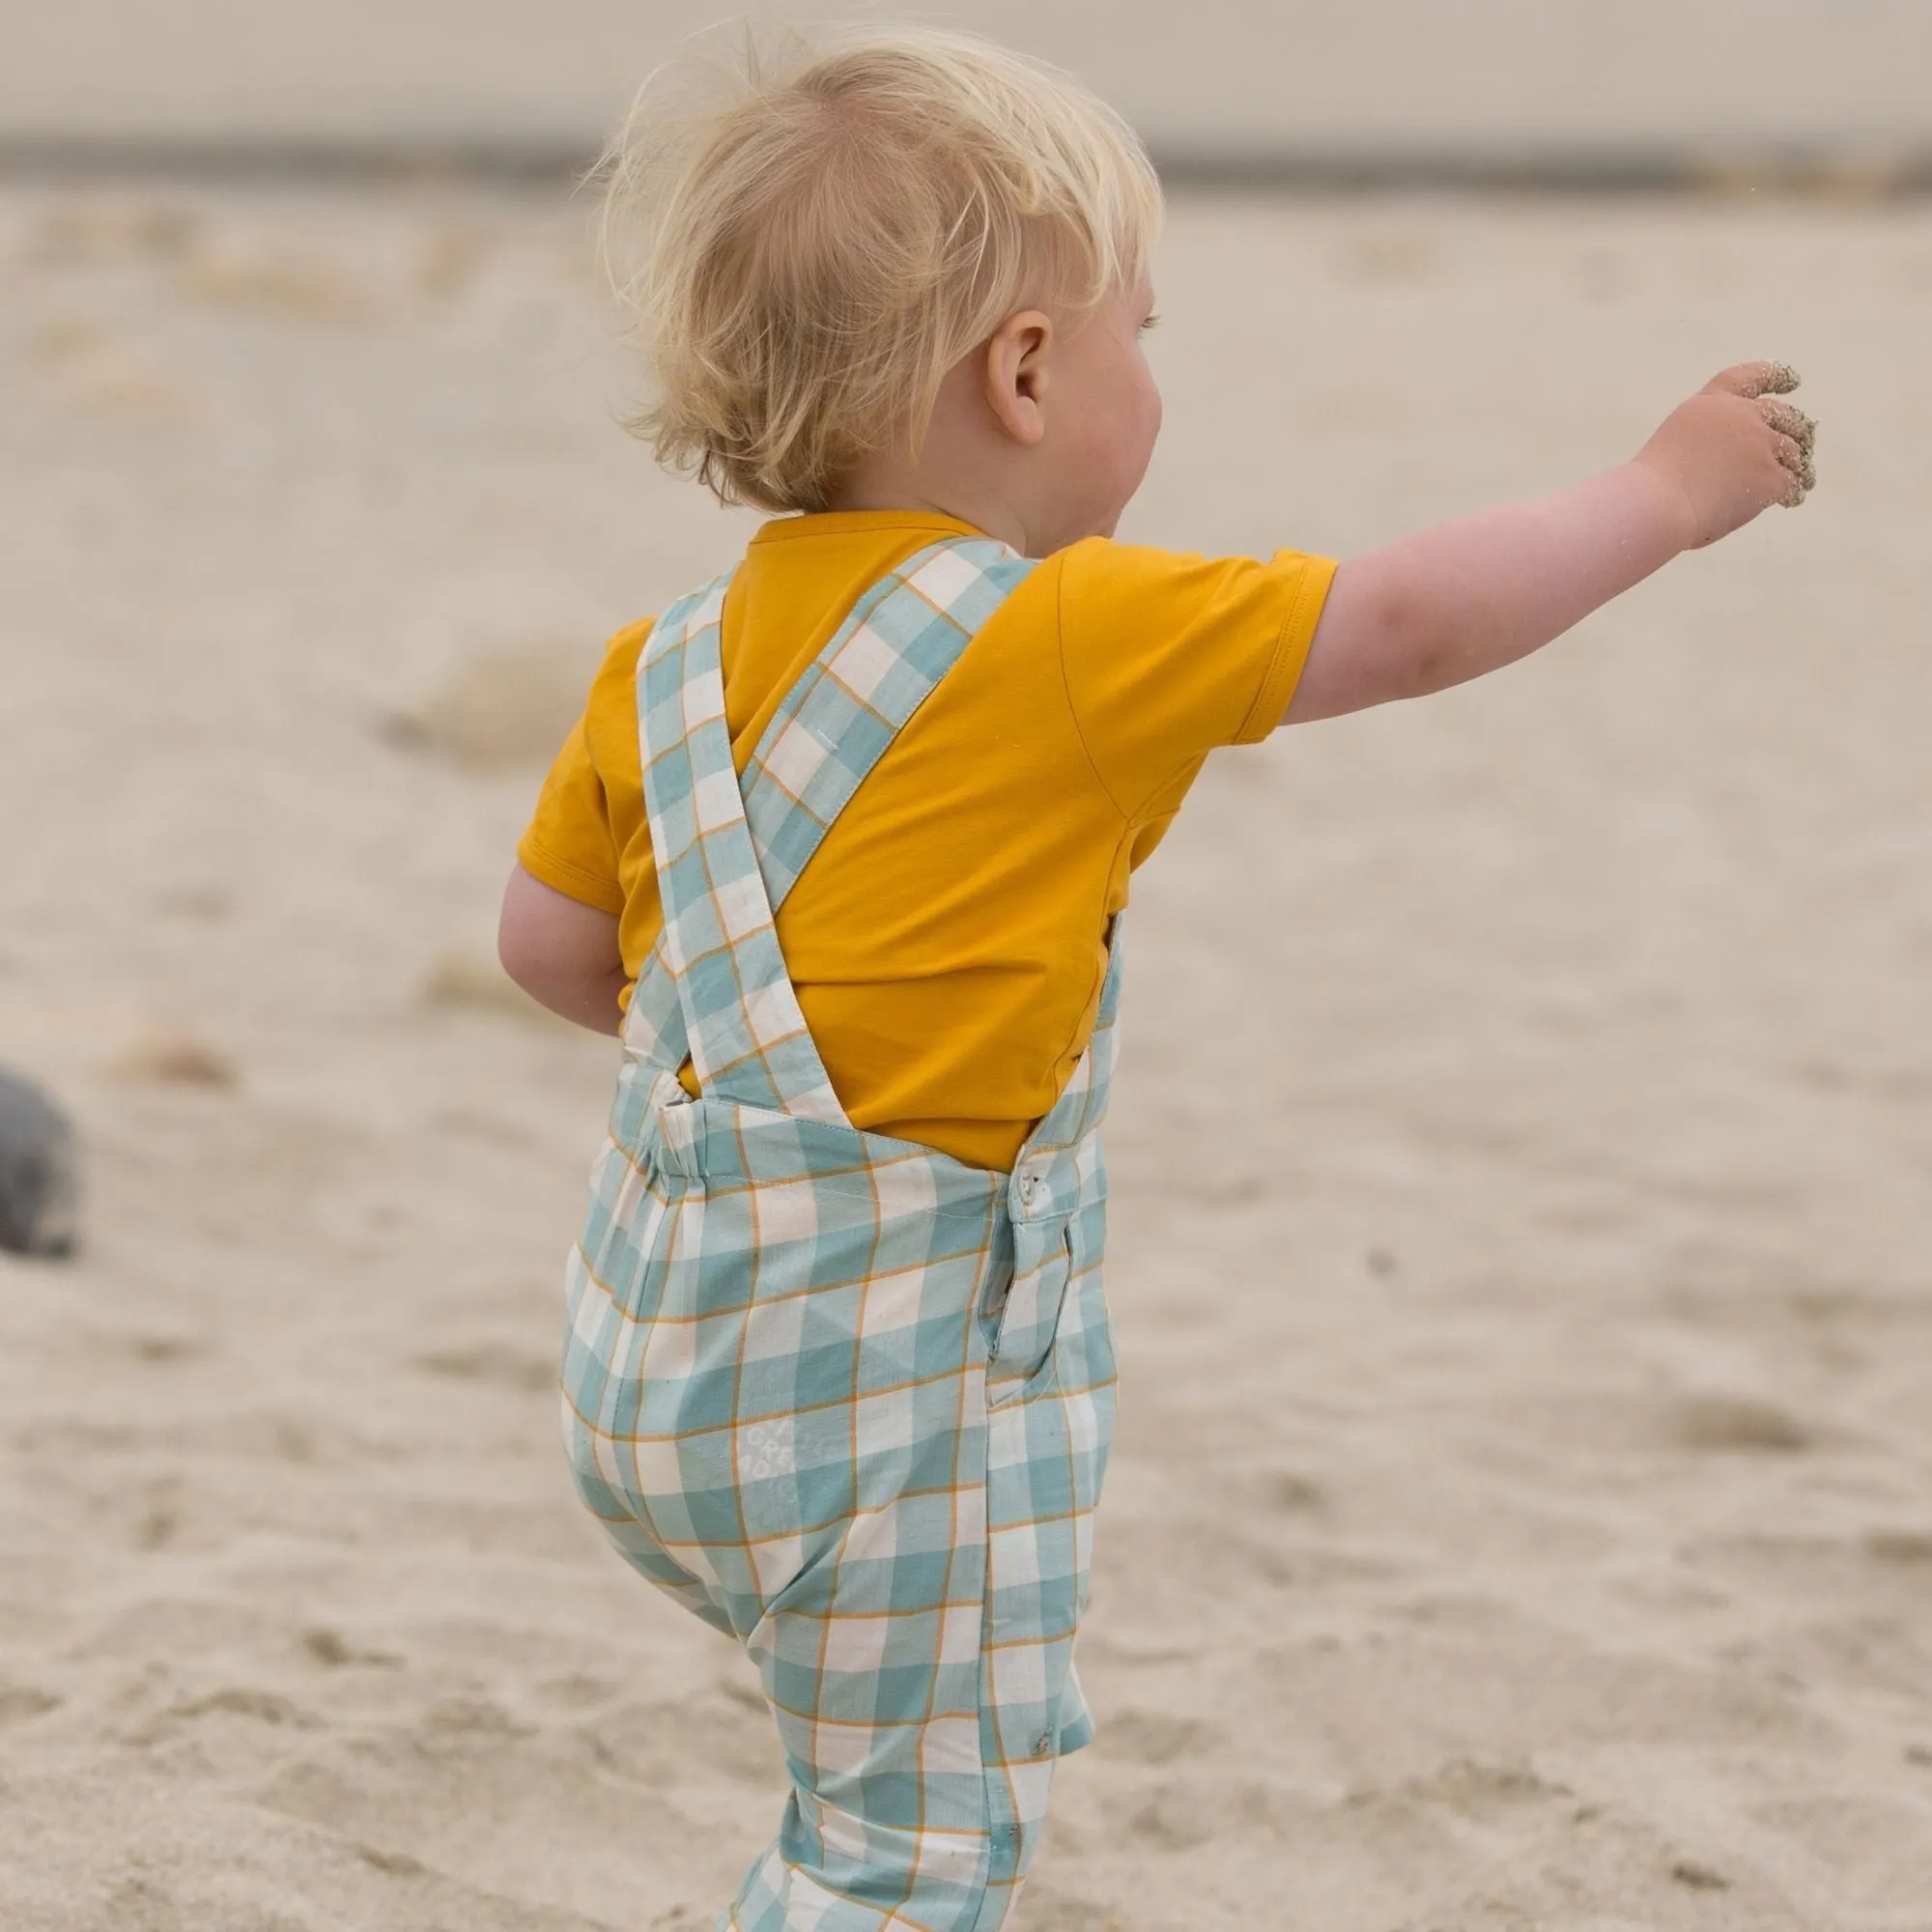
x,y
1520,1518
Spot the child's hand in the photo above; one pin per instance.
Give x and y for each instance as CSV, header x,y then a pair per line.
x,y
1730,452
1463,598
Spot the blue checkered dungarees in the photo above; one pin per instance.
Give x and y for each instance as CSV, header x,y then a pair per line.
x,y
843,1396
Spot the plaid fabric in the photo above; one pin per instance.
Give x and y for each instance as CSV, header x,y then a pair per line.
x,y
846,1399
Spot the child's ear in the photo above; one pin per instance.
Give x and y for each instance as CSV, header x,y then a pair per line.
x,y
1016,375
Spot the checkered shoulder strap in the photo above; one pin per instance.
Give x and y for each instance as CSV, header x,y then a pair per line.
x,y
728,856
903,635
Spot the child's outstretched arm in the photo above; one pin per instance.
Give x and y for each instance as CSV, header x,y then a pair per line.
x,y
1467,597
564,954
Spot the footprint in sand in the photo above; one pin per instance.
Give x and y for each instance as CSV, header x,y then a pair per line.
x,y
499,710
490,1362
1292,1494
156,1528
20,1704
463,982
1906,1548
330,1648
1689,1873
165,1350
1480,1791
254,1706
95,370
1739,1423
160,1057
461,1726
1179,1819
1150,1737
580,1692
725,1725
273,283
1055,1910
396,1864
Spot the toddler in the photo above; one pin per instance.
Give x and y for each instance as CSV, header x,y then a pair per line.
x,y
841,849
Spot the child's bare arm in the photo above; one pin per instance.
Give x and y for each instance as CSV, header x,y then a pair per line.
x,y
1467,597
562,953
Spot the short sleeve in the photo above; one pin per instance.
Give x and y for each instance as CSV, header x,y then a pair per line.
x,y
569,844
576,837
1168,657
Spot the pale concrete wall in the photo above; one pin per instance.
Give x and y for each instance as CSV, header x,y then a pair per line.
x,y
1209,74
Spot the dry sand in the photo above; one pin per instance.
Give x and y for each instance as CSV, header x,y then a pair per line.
x,y
1521,1510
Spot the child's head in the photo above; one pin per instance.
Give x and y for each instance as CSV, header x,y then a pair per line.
x,y
839,239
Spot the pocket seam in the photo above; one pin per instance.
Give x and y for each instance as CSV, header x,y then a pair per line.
x,y
1048,1373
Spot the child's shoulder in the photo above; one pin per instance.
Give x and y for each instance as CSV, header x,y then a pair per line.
x,y
621,652
1168,655
1139,589
609,728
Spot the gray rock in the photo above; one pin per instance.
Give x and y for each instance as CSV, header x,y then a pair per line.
x,y
40,1173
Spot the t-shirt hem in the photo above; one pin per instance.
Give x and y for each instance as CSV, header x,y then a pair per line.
x,y
1291,651
572,881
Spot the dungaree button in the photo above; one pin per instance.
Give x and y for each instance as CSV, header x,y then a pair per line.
x,y
1027,1186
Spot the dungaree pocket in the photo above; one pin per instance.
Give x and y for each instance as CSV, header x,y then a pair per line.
x,y
1020,1359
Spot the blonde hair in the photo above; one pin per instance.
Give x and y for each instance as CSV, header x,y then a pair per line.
x,y
820,247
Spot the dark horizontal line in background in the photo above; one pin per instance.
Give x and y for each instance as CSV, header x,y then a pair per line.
x,y
1817,170
290,161
1811,171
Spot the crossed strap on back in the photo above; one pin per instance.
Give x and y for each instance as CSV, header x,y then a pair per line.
x,y
717,986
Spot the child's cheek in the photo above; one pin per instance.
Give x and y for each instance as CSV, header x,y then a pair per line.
x,y
1146,430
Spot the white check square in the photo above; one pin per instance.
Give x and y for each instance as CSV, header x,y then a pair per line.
x,y
795,758
893,1302
945,578
785,1212
864,663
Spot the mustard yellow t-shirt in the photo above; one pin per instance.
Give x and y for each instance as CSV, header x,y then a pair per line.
x,y
949,940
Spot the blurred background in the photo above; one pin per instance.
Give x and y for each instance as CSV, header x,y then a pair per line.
x,y
1522,1251
1219,81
